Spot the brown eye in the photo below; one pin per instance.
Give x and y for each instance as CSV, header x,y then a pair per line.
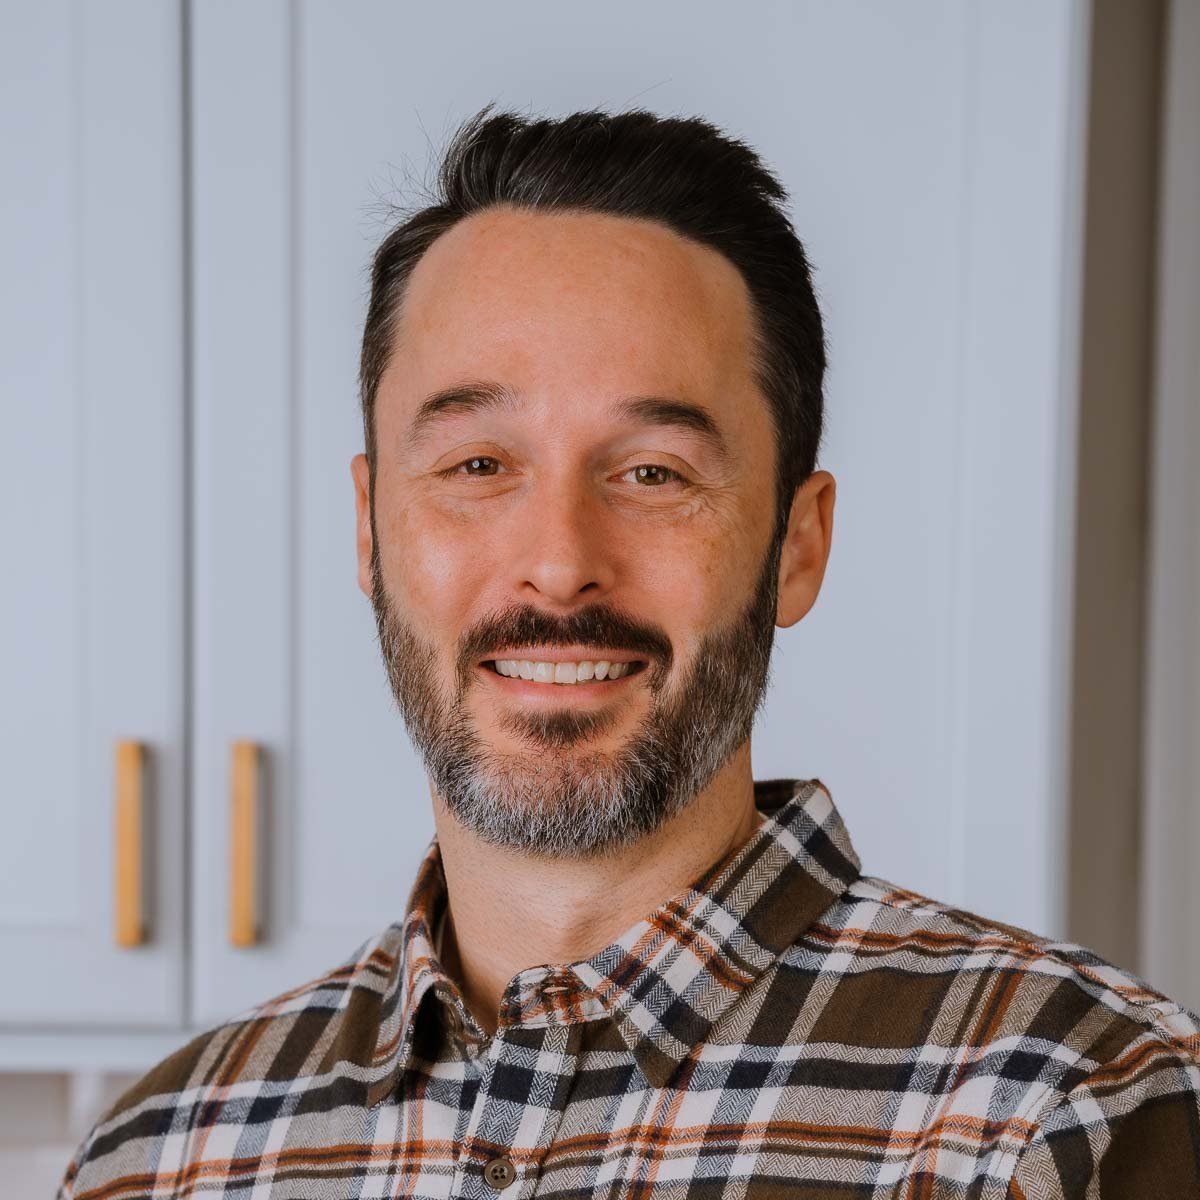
x,y
481,461
655,475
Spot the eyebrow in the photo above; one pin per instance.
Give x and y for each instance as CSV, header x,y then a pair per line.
x,y
481,396
459,400
678,414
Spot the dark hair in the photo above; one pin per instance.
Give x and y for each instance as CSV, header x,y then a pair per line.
x,y
682,172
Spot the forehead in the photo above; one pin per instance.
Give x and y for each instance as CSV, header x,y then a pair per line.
x,y
572,304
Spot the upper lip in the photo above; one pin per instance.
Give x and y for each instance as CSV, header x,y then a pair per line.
x,y
532,654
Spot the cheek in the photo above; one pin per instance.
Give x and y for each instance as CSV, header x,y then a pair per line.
x,y
431,566
695,581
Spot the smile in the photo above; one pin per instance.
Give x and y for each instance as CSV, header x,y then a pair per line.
x,y
570,673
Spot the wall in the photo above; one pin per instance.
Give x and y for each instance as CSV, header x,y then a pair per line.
x,y
1170,951
1112,521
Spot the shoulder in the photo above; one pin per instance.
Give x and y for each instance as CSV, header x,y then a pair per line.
x,y
218,1075
1045,1039
1055,991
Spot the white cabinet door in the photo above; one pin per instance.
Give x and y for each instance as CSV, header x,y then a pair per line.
x,y
933,153
91,504
284,650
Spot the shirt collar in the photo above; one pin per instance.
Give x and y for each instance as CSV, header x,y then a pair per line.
x,y
668,979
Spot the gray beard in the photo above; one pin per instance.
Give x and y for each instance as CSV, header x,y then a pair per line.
x,y
560,800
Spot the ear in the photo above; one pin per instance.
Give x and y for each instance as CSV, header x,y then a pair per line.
x,y
805,547
362,505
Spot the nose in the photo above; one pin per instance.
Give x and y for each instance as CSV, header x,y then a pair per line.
x,y
563,551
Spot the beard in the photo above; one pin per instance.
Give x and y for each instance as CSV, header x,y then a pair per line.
x,y
562,798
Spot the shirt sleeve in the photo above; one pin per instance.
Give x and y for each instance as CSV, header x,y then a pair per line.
x,y
1131,1129
66,1189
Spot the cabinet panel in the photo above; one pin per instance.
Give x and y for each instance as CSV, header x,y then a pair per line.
x,y
326,841
931,151
92,612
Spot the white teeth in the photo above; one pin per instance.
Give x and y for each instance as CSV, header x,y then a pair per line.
x,y
565,673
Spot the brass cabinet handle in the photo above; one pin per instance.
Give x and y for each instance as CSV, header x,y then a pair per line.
x,y
245,826
129,865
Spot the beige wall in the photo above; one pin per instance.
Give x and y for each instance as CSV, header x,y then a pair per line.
x,y
1112,498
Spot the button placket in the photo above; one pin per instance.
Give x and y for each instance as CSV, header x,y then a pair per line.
x,y
515,1073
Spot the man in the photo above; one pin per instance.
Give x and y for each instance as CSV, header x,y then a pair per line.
x,y
591,383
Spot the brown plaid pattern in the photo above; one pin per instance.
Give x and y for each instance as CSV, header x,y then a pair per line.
x,y
784,1027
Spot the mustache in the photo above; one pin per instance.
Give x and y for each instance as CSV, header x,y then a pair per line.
x,y
601,626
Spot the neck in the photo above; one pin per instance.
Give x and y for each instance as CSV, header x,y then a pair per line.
x,y
508,911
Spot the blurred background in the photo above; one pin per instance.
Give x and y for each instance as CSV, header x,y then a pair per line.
x,y
208,796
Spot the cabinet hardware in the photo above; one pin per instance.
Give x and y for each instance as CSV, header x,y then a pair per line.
x,y
129,858
245,845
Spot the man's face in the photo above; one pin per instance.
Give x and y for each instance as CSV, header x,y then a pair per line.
x,y
581,519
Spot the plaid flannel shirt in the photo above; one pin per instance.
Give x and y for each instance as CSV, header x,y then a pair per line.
x,y
784,1027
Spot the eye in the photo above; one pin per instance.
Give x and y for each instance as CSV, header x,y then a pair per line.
x,y
481,461
656,475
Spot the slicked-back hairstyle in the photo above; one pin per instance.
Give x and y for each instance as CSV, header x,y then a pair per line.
x,y
682,172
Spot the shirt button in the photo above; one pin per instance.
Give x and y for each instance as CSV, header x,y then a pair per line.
x,y
499,1173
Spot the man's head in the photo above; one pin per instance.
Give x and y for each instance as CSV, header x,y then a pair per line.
x,y
591,384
